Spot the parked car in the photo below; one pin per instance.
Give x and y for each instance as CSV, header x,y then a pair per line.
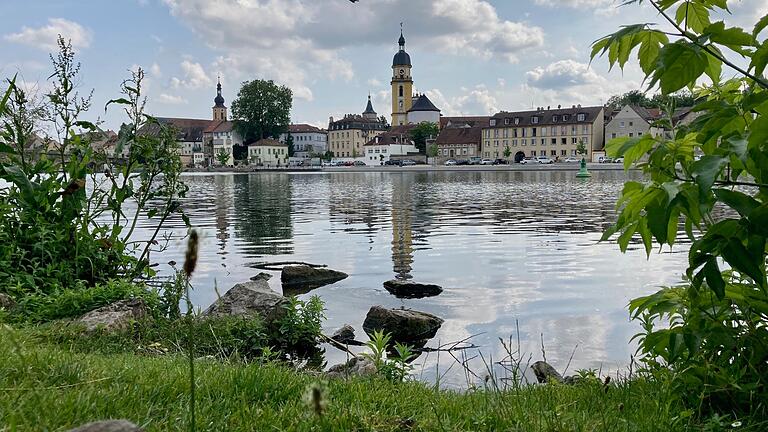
x,y
544,160
475,160
486,162
408,162
500,162
359,163
526,161
604,159
462,162
394,162
450,162
619,160
570,160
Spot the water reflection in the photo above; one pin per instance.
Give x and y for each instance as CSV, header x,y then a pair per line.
x,y
514,251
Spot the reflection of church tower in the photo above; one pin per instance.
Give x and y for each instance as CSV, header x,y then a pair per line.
x,y
219,109
224,187
402,85
402,230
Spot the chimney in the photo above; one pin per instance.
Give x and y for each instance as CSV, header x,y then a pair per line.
x,y
579,105
573,106
559,106
547,107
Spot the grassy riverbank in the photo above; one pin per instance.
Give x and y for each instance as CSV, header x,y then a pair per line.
x,y
49,387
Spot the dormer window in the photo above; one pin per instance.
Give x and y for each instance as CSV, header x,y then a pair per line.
x,y
581,117
506,121
517,120
565,117
493,122
554,119
535,120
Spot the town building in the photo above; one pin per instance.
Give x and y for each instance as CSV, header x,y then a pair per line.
x,y
460,137
189,136
268,152
633,121
408,107
222,137
395,143
555,133
348,135
423,110
308,140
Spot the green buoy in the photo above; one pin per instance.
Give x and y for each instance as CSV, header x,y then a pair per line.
x,y
583,173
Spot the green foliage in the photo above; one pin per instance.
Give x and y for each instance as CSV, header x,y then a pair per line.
x,y
581,147
64,225
432,150
290,144
421,133
683,98
301,326
222,157
394,365
708,335
507,152
262,110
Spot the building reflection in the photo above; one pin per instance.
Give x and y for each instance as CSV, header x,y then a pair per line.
x,y
263,213
402,228
223,198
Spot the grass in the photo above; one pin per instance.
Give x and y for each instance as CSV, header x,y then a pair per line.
x,y
44,386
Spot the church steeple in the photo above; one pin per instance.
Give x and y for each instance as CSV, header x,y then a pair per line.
x,y
402,83
219,109
369,112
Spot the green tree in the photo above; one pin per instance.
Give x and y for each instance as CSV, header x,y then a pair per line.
x,y
289,142
328,155
507,152
222,157
262,109
633,97
421,133
682,98
706,335
581,148
432,150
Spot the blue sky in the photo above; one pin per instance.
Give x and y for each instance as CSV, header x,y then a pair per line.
x,y
472,57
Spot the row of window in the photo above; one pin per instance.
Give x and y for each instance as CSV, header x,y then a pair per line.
x,y
320,138
457,152
631,134
269,150
543,141
377,151
536,119
542,131
553,153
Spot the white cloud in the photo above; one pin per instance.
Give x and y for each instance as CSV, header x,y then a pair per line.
x,y
298,42
194,77
45,37
471,101
155,70
563,73
168,99
373,82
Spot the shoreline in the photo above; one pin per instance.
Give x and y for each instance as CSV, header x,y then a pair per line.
x,y
415,168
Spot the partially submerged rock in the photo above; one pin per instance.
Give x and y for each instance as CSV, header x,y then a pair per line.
x,y
545,373
6,302
250,299
108,426
355,367
116,316
344,335
300,279
262,276
409,289
404,325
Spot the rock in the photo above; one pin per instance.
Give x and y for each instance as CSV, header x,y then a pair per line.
x,y
301,279
406,326
109,426
344,335
6,302
262,276
546,373
356,367
250,299
116,316
408,289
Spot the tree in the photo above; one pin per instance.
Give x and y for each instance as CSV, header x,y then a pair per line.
x,y
421,133
289,142
262,110
328,155
222,157
581,148
507,152
432,150
683,98
707,335
634,97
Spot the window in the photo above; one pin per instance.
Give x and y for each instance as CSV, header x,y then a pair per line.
x,y
400,91
533,132
543,141
563,141
514,133
554,130
465,151
565,117
613,135
506,133
553,152
554,141
543,131
533,152
639,134
524,130
524,142
631,124
514,143
506,121
535,119
621,124
496,133
631,134
496,143
563,152
554,119
581,117
533,142
574,141
517,120
493,122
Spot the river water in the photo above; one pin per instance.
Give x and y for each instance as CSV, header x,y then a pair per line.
x,y
516,252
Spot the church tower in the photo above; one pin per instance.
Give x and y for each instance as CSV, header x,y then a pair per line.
x,y
219,110
402,85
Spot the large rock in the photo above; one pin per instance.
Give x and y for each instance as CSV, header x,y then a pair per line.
x,y
545,373
109,426
355,367
300,279
404,325
408,289
116,316
6,302
253,298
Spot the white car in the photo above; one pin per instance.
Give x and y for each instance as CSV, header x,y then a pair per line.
x,y
486,162
526,161
570,160
544,160
619,160
450,162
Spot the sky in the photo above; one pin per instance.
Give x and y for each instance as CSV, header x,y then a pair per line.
x,y
471,57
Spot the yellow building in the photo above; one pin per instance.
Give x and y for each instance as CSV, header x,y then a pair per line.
x,y
268,152
402,85
554,133
347,136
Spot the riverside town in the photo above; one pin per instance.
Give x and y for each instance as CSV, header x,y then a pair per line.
x,y
368,215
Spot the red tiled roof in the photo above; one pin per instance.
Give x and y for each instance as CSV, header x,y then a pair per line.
x,y
482,121
460,135
264,142
303,128
397,135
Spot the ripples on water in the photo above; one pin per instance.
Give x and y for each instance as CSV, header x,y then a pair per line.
x,y
508,247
